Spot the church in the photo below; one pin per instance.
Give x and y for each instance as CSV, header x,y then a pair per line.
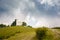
x,y
16,23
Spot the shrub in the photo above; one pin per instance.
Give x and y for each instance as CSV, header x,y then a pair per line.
x,y
40,33
44,34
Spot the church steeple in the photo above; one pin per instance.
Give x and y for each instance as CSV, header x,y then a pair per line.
x,y
14,23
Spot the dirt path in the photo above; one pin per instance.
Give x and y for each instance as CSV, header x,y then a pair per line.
x,y
56,34
22,36
29,37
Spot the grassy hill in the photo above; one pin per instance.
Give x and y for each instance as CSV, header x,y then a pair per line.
x,y
8,32
27,33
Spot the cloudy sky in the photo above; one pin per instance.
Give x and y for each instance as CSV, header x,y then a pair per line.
x,y
34,12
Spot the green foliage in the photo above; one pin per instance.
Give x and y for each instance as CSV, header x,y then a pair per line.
x,y
24,24
56,27
41,33
29,26
2,25
44,34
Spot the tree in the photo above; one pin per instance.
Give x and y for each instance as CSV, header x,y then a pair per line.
x,y
56,27
29,26
14,23
2,25
24,24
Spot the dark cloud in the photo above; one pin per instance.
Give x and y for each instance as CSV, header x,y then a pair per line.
x,y
19,9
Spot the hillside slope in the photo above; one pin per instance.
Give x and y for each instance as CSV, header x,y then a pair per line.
x,y
23,33
14,33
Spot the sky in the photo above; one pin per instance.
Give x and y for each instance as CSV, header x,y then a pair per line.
x,y
36,13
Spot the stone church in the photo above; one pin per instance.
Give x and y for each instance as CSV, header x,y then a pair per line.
x,y
16,23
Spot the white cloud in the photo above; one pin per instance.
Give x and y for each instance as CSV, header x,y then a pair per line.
x,y
27,18
57,2
54,22
30,20
17,8
42,22
48,22
32,5
18,14
25,10
49,2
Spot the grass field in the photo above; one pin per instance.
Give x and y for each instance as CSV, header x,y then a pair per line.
x,y
7,32
26,33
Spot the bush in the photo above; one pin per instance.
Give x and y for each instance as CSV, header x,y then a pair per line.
x,y
44,34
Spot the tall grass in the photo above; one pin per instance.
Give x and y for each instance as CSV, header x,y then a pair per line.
x,y
11,31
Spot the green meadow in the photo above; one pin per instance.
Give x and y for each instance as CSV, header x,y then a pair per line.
x,y
27,33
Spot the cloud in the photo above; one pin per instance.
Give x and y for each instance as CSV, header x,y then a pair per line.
x,y
47,1
48,22
15,9
34,12
59,13
30,20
